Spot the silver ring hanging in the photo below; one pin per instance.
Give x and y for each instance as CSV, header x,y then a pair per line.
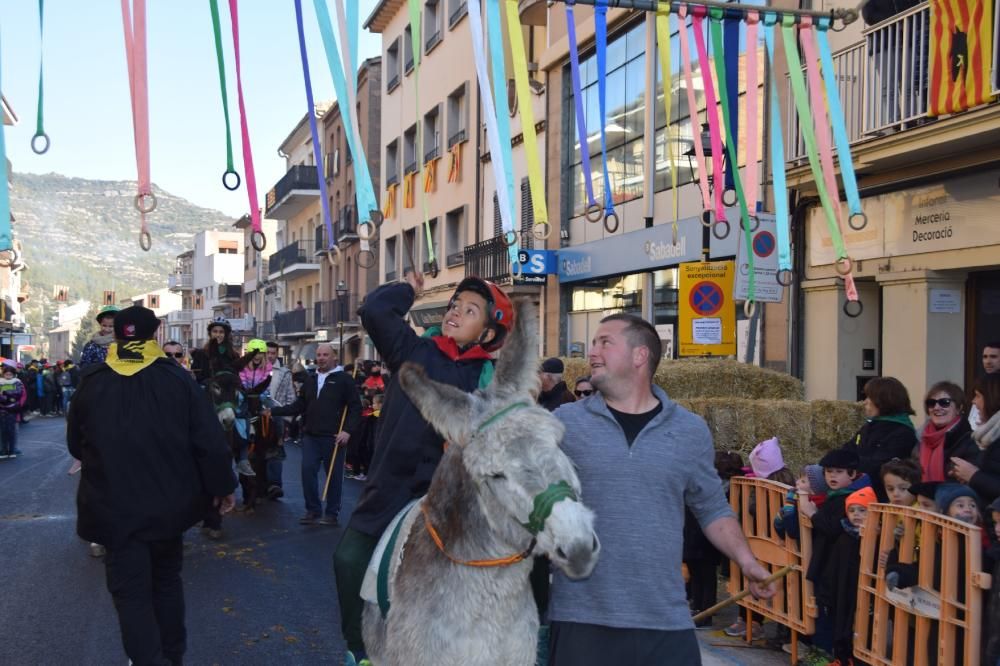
x,y
433,269
593,212
706,218
756,222
226,180
725,198
145,240
785,277
609,228
853,309
715,227
864,221
148,197
258,240
509,238
369,258
749,308
544,235
45,146
367,235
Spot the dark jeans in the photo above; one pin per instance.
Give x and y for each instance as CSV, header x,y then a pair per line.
x,y
702,584
275,464
144,578
576,644
316,454
350,561
8,432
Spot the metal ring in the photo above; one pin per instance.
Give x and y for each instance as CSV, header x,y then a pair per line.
x,y
749,308
509,238
8,257
376,217
541,236
334,254
145,240
225,182
516,269
147,196
852,312
706,218
258,240
788,278
864,221
844,265
433,269
367,263
608,227
593,212
756,221
367,235
735,198
716,225
45,148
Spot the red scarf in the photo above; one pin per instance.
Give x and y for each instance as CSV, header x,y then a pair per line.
x,y
932,450
450,348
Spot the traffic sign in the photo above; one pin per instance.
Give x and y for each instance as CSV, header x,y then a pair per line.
x,y
707,313
765,263
763,244
706,298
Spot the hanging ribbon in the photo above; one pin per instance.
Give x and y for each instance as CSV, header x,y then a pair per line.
x,y
40,135
542,229
752,102
844,263
492,130
6,237
601,38
455,162
840,129
711,110
593,211
390,201
430,175
257,239
230,169
780,187
715,24
408,189
364,192
663,46
324,199
732,82
699,152
494,41
135,54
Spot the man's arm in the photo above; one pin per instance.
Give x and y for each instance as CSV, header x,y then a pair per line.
x,y
296,407
726,534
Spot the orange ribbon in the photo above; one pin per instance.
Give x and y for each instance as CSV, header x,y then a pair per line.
x,y
455,163
430,175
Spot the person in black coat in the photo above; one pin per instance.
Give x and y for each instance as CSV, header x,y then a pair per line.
x,y
154,458
554,391
888,432
984,476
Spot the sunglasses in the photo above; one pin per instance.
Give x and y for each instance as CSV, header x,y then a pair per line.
x,y
176,354
583,393
944,402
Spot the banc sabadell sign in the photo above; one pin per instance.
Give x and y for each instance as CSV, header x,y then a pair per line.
x,y
639,251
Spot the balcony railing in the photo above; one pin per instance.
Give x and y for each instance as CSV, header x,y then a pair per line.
x,y
489,260
179,317
293,253
458,137
432,153
265,329
180,281
229,292
458,12
299,177
329,313
294,321
432,41
347,222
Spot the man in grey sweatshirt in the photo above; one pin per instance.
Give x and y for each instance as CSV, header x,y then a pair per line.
x,y
641,458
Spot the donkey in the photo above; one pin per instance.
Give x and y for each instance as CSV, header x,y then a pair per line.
x,y
226,394
503,487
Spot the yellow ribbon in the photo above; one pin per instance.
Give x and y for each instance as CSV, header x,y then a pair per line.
x,y
430,175
408,189
129,358
663,44
390,199
527,113
455,163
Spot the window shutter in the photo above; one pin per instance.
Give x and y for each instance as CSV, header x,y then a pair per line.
x,y
527,215
497,225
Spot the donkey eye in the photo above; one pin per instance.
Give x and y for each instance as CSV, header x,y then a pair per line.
x,y
499,476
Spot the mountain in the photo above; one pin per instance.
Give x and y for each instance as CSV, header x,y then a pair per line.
x,y
85,234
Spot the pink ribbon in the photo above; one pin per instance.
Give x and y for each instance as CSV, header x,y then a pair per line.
x,y
808,39
753,96
711,110
135,53
244,131
699,152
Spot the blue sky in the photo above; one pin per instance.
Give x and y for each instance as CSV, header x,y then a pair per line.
x,y
87,107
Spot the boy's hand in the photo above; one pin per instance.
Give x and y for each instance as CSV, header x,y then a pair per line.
x,y
807,507
416,280
883,559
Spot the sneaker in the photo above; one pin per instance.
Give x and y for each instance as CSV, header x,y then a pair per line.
x,y
275,492
361,477
97,550
308,519
244,468
329,520
739,628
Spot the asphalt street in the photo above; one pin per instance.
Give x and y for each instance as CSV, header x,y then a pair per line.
x,y
264,594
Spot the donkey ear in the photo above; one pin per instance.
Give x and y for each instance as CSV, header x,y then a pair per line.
x,y
517,365
447,408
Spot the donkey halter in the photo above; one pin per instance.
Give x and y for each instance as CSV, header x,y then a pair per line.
x,y
543,504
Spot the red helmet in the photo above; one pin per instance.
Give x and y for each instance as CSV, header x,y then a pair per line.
x,y
500,311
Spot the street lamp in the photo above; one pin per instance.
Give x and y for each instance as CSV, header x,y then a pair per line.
x,y
341,302
705,137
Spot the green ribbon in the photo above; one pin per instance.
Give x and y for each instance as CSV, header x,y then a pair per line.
x,y
40,125
715,24
806,127
544,503
499,415
217,28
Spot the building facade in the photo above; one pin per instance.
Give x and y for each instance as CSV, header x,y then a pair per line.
x,y
259,304
216,283
68,320
180,282
13,328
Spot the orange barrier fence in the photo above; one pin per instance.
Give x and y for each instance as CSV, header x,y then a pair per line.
x,y
939,619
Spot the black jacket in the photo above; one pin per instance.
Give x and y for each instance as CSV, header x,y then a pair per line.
x,y
557,397
986,482
878,442
827,528
407,448
324,412
153,453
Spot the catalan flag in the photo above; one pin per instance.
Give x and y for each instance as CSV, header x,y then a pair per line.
x,y
961,49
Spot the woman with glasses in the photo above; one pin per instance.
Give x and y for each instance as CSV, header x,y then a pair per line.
x,y
946,433
583,388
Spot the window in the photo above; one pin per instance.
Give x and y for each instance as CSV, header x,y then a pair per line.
x,y
198,300
229,247
432,134
435,243
456,10
434,31
154,301
458,115
390,259
410,149
392,61
454,237
407,50
409,242
527,216
392,162
331,164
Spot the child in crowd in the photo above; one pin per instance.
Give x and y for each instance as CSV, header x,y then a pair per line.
x,y
924,493
991,628
845,564
12,399
810,484
898,478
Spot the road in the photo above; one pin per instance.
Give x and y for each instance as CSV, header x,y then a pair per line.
x,y
263,595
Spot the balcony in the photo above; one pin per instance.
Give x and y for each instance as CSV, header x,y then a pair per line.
x,y
532,12
489,260
179,318
293,323
298,188
292,261
180,282
327,314
265,329
230,293
320,243
347,223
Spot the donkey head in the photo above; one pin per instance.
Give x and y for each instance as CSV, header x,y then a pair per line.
x,y
526,486
223,389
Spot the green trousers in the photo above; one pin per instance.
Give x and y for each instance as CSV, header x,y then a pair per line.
x,y
350,561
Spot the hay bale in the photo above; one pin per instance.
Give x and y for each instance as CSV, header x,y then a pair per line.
x,y
834,422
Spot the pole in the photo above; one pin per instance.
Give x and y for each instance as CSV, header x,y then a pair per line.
x,y
709,612
343,418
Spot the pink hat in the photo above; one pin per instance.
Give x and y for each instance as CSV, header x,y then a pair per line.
x,y
765,459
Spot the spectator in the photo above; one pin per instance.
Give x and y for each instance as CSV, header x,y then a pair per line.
x,y
991,364
12,398
96,350
946,433
554,392
984,477
583,388
888,433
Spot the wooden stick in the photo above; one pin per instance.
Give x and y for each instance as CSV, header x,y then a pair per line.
x,y
780,573
333,459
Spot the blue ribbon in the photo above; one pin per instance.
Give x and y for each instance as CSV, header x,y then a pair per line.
x,y
581,118
731,27
601,38
351,10
495,38
778,156
837,119
364,190
311,113
6,242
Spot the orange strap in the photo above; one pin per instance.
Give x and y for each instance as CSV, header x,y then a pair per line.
x,y
455,163
499,562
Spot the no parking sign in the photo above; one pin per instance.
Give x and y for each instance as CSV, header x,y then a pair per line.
x,y
763,240
706,310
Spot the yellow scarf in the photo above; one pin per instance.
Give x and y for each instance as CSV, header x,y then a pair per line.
x,y
128,358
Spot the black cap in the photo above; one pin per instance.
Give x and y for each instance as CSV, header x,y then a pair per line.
x,y
553,365
136,323
840,459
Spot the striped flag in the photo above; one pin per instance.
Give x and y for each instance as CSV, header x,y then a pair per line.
x,y
961,49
